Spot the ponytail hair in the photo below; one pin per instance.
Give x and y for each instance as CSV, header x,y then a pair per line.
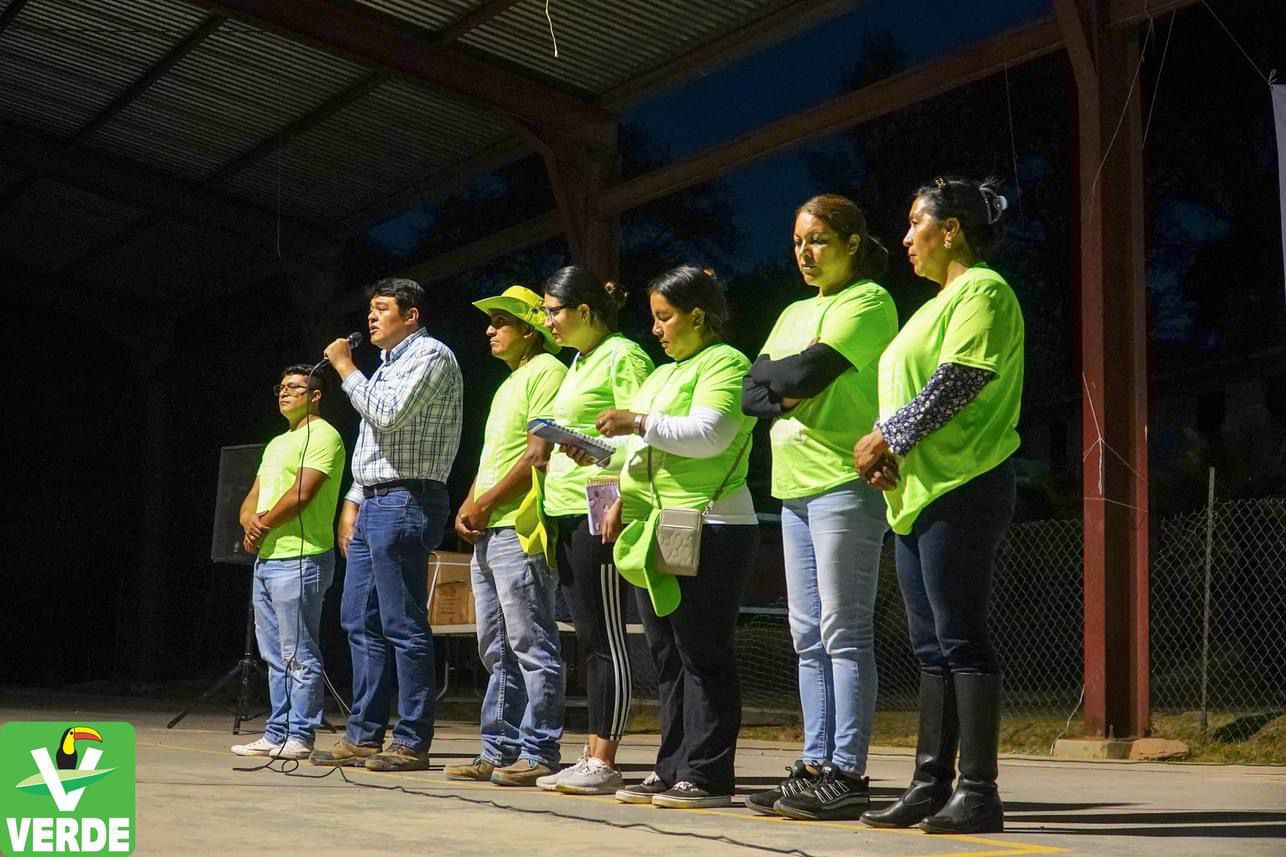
x,y
979,206
574,285
847,219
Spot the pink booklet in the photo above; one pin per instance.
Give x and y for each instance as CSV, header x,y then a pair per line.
x,y
601,492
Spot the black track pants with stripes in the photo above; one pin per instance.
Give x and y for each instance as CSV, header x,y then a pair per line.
x,y
597,597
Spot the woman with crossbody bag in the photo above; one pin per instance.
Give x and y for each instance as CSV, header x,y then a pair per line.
x,y
687,452
816,380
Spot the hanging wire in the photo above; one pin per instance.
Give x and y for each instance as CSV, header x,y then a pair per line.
x,y
1013,143
1156,86
1116,132
552,37
1267,78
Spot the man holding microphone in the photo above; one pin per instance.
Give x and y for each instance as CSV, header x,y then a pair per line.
x,y
392,517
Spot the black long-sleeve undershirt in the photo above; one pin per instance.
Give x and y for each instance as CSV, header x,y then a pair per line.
x,y
802,375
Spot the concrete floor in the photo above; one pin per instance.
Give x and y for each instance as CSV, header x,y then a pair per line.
x,y
193,800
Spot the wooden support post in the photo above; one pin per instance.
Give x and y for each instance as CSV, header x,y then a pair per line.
x,y
579,173
1114,362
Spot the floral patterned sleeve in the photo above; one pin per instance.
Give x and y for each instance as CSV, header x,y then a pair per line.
x,y
951,388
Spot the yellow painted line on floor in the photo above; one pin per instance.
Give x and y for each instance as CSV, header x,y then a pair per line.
x,y
999,847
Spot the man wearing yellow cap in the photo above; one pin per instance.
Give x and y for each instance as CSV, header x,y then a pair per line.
x,y
513,591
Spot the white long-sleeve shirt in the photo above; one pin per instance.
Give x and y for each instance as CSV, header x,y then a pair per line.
x,y
704,433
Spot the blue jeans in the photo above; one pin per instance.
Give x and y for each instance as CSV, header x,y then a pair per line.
x,y
287,597
385,613
513,593
945,571
832,545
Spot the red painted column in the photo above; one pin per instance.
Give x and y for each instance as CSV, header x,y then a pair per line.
x,y
1114,363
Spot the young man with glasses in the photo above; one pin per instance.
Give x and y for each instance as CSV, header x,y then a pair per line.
x,y
393,515
288,518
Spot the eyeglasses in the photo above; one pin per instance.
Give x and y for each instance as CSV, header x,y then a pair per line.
x,y
551,311
293,388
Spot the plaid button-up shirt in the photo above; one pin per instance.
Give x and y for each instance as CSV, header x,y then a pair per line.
x,y
410,413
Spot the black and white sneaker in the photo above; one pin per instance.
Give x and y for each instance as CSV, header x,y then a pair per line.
x,y
834,796
643,792
686,795
801,776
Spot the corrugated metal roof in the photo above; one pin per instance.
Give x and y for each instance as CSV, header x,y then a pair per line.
x,y
372,149
602,43
50,224
62,62
429,16
238,88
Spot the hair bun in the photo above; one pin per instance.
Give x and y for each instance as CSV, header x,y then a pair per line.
x,y
996,204
615,291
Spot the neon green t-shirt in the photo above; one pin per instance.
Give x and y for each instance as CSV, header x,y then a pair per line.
x,y
607,377
316,446
528,393
812,444
711,378
976,321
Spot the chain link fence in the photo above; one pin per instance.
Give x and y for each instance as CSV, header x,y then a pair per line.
x,y
1218,621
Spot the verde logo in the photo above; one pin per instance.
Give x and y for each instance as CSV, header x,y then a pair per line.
x,y
67,788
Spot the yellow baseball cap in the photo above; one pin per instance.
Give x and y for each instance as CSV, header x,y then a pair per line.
x,y
525,305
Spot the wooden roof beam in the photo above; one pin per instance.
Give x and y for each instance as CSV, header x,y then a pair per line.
x,y
862,105
372,39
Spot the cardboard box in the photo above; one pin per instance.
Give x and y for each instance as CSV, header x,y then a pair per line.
x,y
450,592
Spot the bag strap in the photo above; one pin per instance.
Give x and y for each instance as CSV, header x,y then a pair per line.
x,y
718,492
656,498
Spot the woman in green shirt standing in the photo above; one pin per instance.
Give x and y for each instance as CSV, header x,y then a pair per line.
x,y
688,445
950,389
816,379
606,372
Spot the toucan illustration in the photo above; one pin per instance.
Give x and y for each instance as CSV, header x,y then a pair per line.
x,y
65,758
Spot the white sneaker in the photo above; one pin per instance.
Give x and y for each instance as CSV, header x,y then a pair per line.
x,y
549,782
261,747
294,749
595,778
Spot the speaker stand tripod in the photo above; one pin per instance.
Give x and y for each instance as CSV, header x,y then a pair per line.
x,y
248,664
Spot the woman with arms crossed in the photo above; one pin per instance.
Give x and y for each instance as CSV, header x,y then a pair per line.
x,y
816,379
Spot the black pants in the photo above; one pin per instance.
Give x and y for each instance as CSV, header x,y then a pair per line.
x,y
596,595
945,571
696,664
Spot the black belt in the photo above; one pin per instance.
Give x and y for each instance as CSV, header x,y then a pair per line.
x,y
413,485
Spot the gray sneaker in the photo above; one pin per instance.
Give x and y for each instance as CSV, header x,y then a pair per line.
x,y
642,792
596,777
686,795
549,782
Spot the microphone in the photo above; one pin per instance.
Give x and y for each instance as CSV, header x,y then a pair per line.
x,y
354,339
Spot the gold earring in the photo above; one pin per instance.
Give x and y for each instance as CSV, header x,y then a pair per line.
x,y
947,243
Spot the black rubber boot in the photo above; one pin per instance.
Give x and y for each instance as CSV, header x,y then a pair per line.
x,y
975,805
935,753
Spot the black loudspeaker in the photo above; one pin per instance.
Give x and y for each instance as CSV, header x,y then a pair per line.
x,y
237,468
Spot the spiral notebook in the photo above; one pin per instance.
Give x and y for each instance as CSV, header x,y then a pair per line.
x,y
554,433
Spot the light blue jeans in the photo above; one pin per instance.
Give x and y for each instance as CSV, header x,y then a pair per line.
x,y
513,595
832,544
287,596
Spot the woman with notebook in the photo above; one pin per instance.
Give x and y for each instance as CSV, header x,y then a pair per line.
x,y
605,373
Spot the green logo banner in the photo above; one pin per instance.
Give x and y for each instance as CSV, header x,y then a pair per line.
x,y
67,788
